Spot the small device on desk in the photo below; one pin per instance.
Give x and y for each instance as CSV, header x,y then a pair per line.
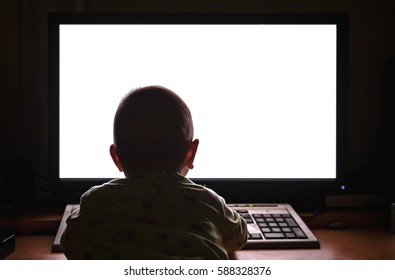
x,y
269,226
7,244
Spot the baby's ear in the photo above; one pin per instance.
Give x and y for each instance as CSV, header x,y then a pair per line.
x,y
115,158
191,153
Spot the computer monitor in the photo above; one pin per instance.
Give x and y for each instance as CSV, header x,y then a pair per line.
x,y
267,94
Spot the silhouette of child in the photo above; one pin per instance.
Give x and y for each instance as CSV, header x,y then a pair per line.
x,y
155,212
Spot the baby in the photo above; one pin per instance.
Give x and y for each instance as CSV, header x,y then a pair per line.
x,y
155,212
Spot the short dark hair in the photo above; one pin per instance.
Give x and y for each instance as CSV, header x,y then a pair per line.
x,y
152,124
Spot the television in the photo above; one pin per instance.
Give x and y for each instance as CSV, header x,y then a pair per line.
x,y
267,93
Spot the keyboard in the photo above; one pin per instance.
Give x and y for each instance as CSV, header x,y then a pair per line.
x,y
275,226
62,226
269,226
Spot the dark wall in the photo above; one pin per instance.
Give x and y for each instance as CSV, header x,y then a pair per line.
x,y
23,52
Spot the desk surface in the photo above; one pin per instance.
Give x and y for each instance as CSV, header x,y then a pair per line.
x,y
367,237
355,243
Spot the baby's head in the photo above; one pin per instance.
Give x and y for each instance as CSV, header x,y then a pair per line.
x,y
153,131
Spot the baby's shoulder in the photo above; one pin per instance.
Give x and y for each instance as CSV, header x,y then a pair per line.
x,y
107,189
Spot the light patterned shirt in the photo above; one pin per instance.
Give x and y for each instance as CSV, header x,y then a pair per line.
x,y
157,215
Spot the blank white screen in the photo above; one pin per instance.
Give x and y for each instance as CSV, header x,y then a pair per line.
x,y
262,97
